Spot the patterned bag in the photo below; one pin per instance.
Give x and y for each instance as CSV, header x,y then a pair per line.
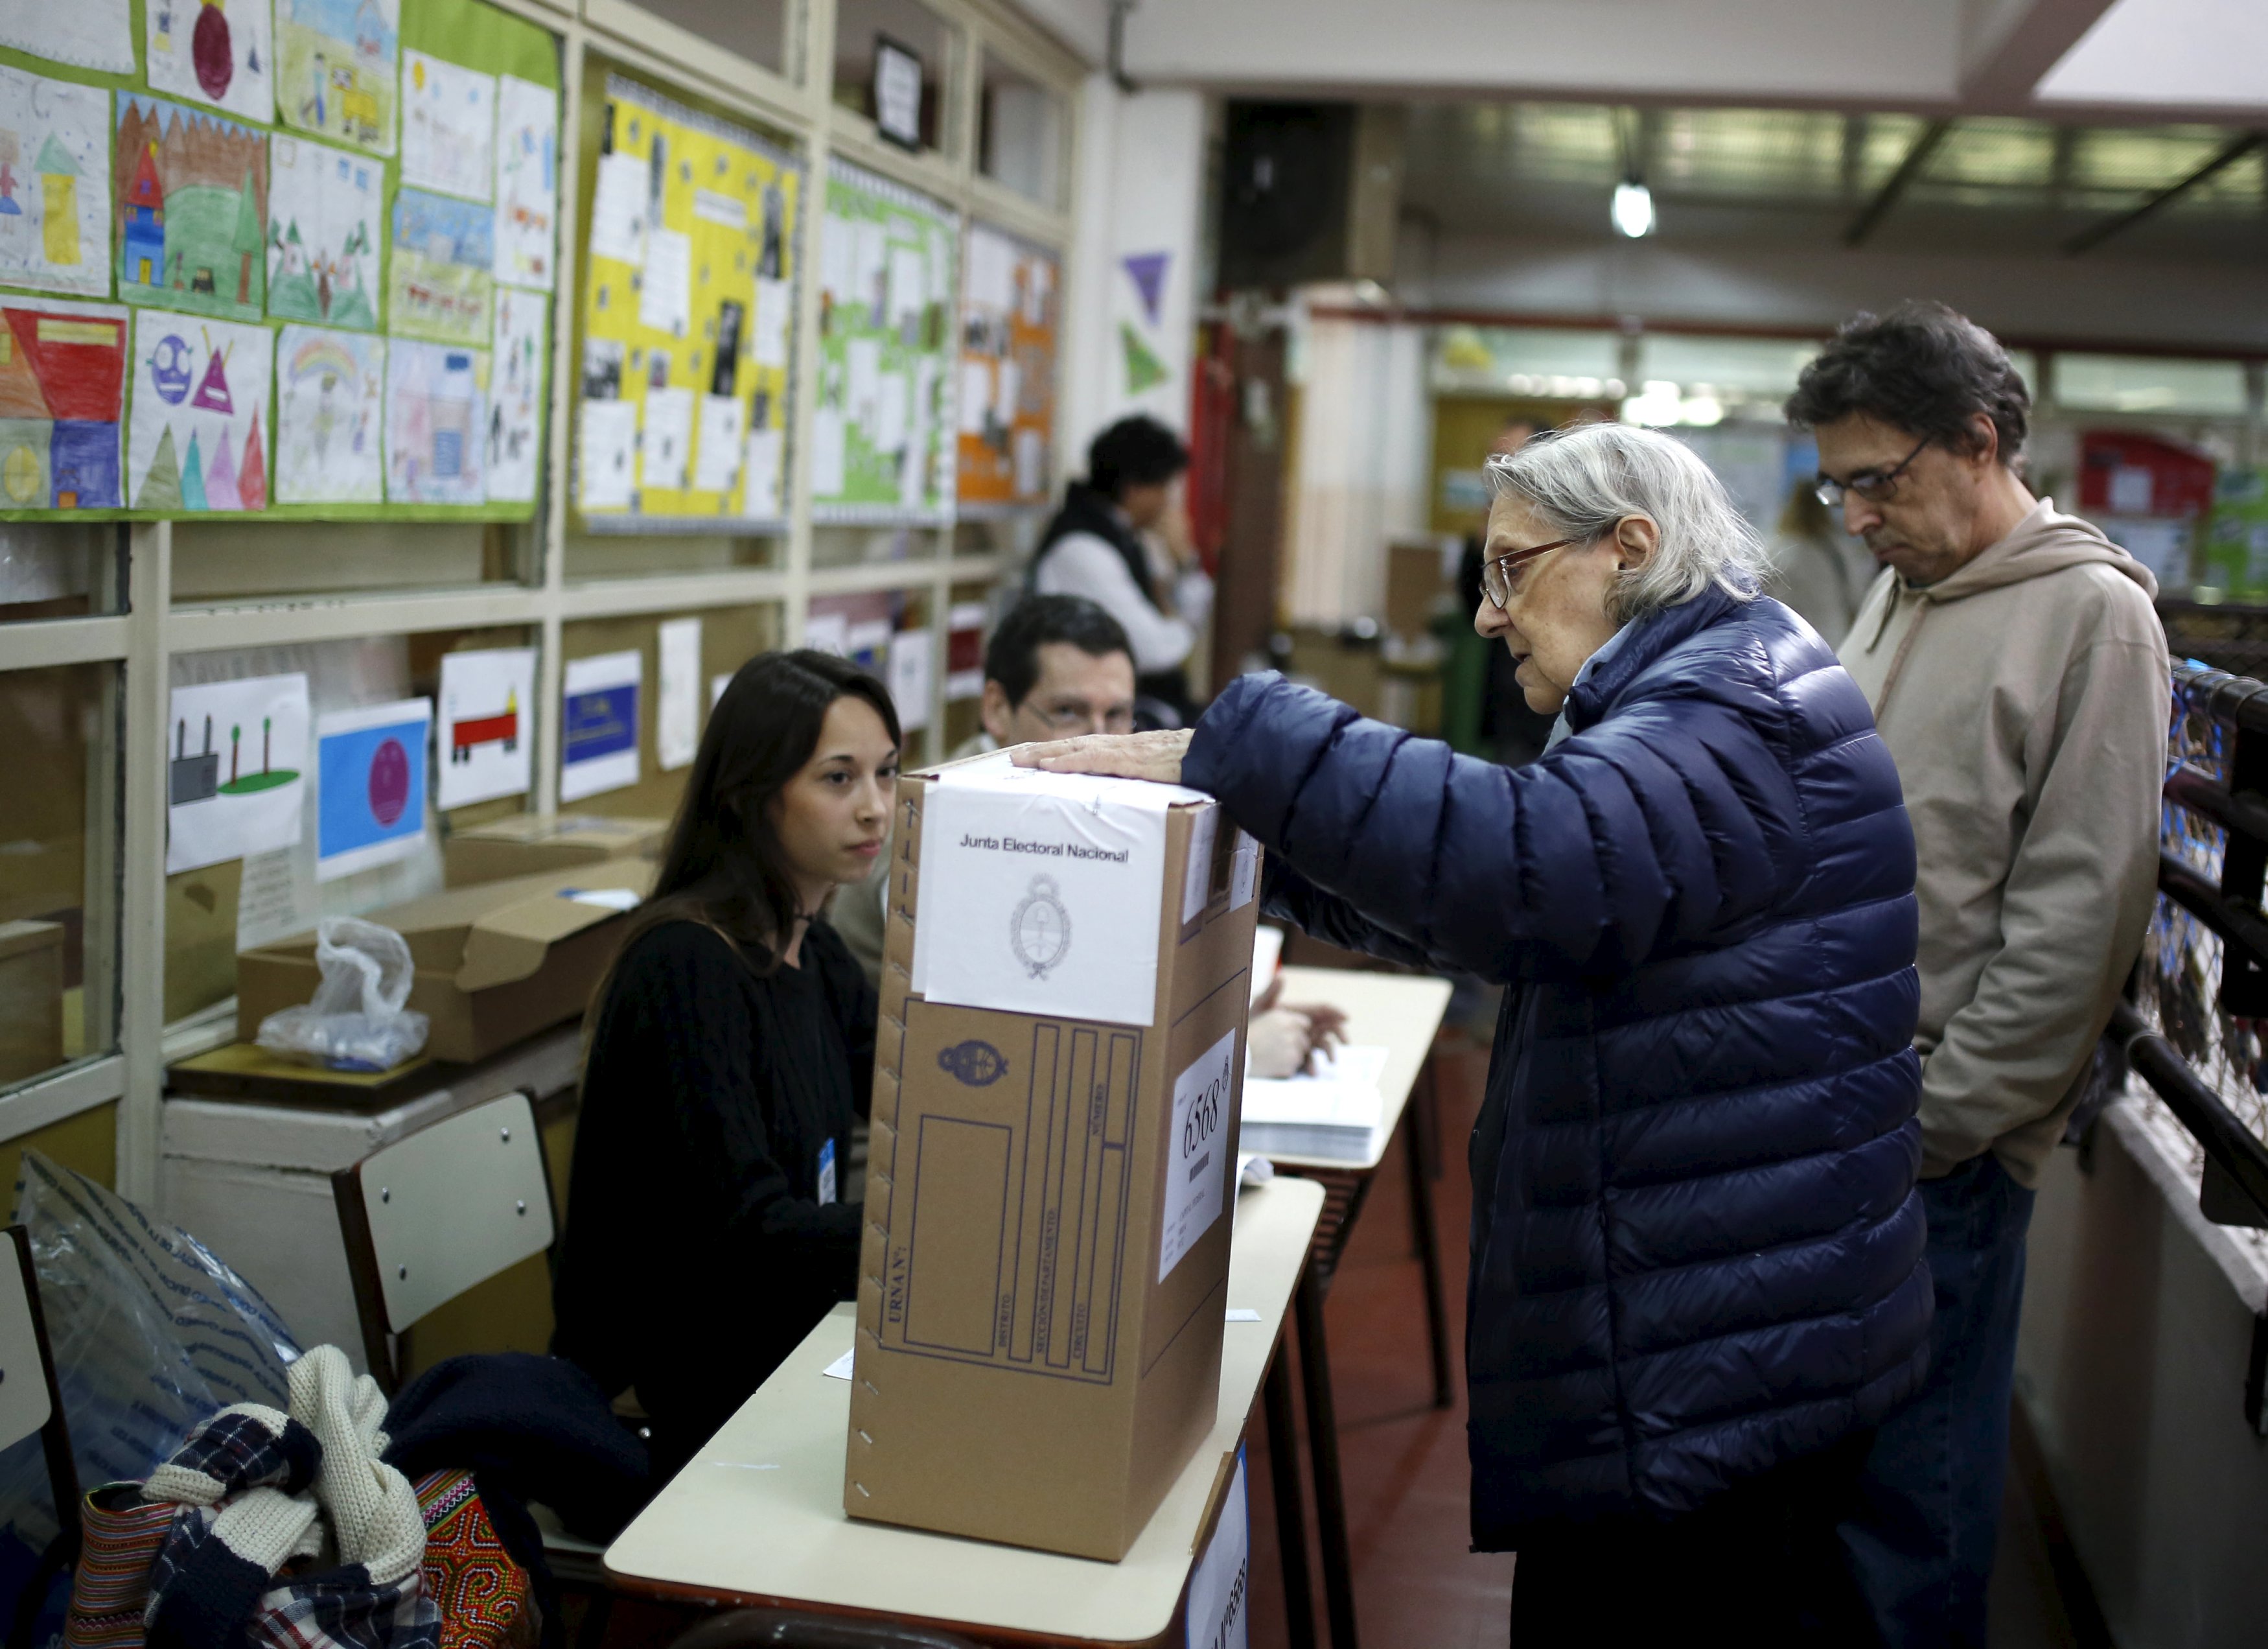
x,y
281,1531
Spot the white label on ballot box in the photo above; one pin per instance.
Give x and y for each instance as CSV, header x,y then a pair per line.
x,y
1221,1583
1040,892
1193,1184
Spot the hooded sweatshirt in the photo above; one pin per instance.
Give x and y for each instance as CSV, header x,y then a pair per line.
x,y
2024,699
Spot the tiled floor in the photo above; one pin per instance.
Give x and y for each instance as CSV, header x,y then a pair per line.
x,y
1416,1584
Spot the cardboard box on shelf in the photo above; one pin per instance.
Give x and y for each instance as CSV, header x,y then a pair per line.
x,y
30,998
495,964
1036,1360
529,844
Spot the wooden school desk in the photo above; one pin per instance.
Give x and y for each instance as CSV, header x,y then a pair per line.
x,y
1401,1013
757,1517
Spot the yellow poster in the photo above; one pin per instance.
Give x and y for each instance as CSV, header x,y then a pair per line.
x,y
687,306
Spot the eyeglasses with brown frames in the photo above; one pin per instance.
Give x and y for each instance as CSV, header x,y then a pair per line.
x,y
1496,576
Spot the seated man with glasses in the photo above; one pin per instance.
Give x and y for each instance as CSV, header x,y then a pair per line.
x,y
1057,666
2017,671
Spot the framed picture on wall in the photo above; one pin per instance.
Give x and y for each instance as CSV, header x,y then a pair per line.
x,y
898,91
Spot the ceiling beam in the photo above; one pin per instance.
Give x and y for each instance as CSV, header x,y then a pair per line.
x,y
2088,239
1870,215
2012,43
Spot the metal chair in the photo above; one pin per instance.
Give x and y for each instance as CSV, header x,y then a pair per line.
x,y
777,1629
434,1214
30,1400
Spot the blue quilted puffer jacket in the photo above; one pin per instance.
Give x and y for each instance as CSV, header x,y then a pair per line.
x,y
1697,1251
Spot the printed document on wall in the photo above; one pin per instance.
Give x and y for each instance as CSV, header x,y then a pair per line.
x,y
236,758
1029,883
485,740
370,786
677,707
599,732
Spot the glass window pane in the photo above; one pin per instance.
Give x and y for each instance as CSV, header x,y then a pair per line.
x,y
1020,133
61,569
911,25
591,556
870,546
2134,384
1527,361
59,858
1745,368
224,561
752,29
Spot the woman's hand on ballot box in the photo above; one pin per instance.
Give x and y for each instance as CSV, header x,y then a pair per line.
x,y
1156,757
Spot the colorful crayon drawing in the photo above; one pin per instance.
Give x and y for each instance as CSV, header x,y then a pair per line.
x,y
63,387
54,184
216,51
439,281
448,128
436,417
330,403
515,428
339,67
528,182
191,224
323,234
197,428
235,755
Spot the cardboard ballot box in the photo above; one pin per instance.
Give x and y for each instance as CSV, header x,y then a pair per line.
x,y
1051,1183
495,964
528,844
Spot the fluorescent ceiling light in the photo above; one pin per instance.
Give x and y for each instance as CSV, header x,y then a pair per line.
x,y
1633,209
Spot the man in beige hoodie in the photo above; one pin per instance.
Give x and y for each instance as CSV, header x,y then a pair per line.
x,y
2017,671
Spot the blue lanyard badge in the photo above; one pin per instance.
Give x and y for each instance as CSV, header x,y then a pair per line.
x,y
826,1173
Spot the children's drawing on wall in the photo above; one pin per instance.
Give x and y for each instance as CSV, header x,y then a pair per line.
x,y
54,184
330,405
528,182
484,747
87,33
192,218
440,283
436,424
515,396
448,128
337,67
63,388
216,51
236,759
323,220
196,436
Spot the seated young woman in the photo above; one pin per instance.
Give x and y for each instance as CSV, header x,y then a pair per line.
x,y
731,1048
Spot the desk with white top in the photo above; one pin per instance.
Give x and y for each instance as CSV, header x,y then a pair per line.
x,y
1401,1013
757,1518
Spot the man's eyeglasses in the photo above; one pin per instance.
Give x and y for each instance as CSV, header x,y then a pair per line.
x,y
1496,575
1872,484
1073,719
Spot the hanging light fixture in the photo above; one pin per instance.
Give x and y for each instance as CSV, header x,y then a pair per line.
x,y
1633,209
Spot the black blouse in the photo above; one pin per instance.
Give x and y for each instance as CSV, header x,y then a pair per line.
x,y
698,1253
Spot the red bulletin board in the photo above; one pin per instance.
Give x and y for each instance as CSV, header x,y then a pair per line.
x,y
1011,297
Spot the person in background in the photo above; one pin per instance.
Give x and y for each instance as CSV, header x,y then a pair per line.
x,y
1698,1275
1817,569
732,1048
2017,672
1120,541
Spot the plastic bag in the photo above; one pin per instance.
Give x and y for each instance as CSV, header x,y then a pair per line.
x,y
357,1020
151,1333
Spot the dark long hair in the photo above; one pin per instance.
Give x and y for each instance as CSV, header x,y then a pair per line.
x,y
724,866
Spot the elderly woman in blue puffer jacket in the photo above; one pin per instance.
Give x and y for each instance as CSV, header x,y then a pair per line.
x,y
1698,1273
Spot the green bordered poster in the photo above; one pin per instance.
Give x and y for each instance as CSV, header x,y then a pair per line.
x,y
687,317
882,428
282,349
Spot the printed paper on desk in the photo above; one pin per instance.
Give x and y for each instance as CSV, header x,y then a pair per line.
x,y
1039,895
1196,1185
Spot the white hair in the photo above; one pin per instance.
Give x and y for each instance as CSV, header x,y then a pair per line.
x,y
1584,480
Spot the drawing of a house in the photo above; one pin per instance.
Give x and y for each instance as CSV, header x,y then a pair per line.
x,y
144,263
59,200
